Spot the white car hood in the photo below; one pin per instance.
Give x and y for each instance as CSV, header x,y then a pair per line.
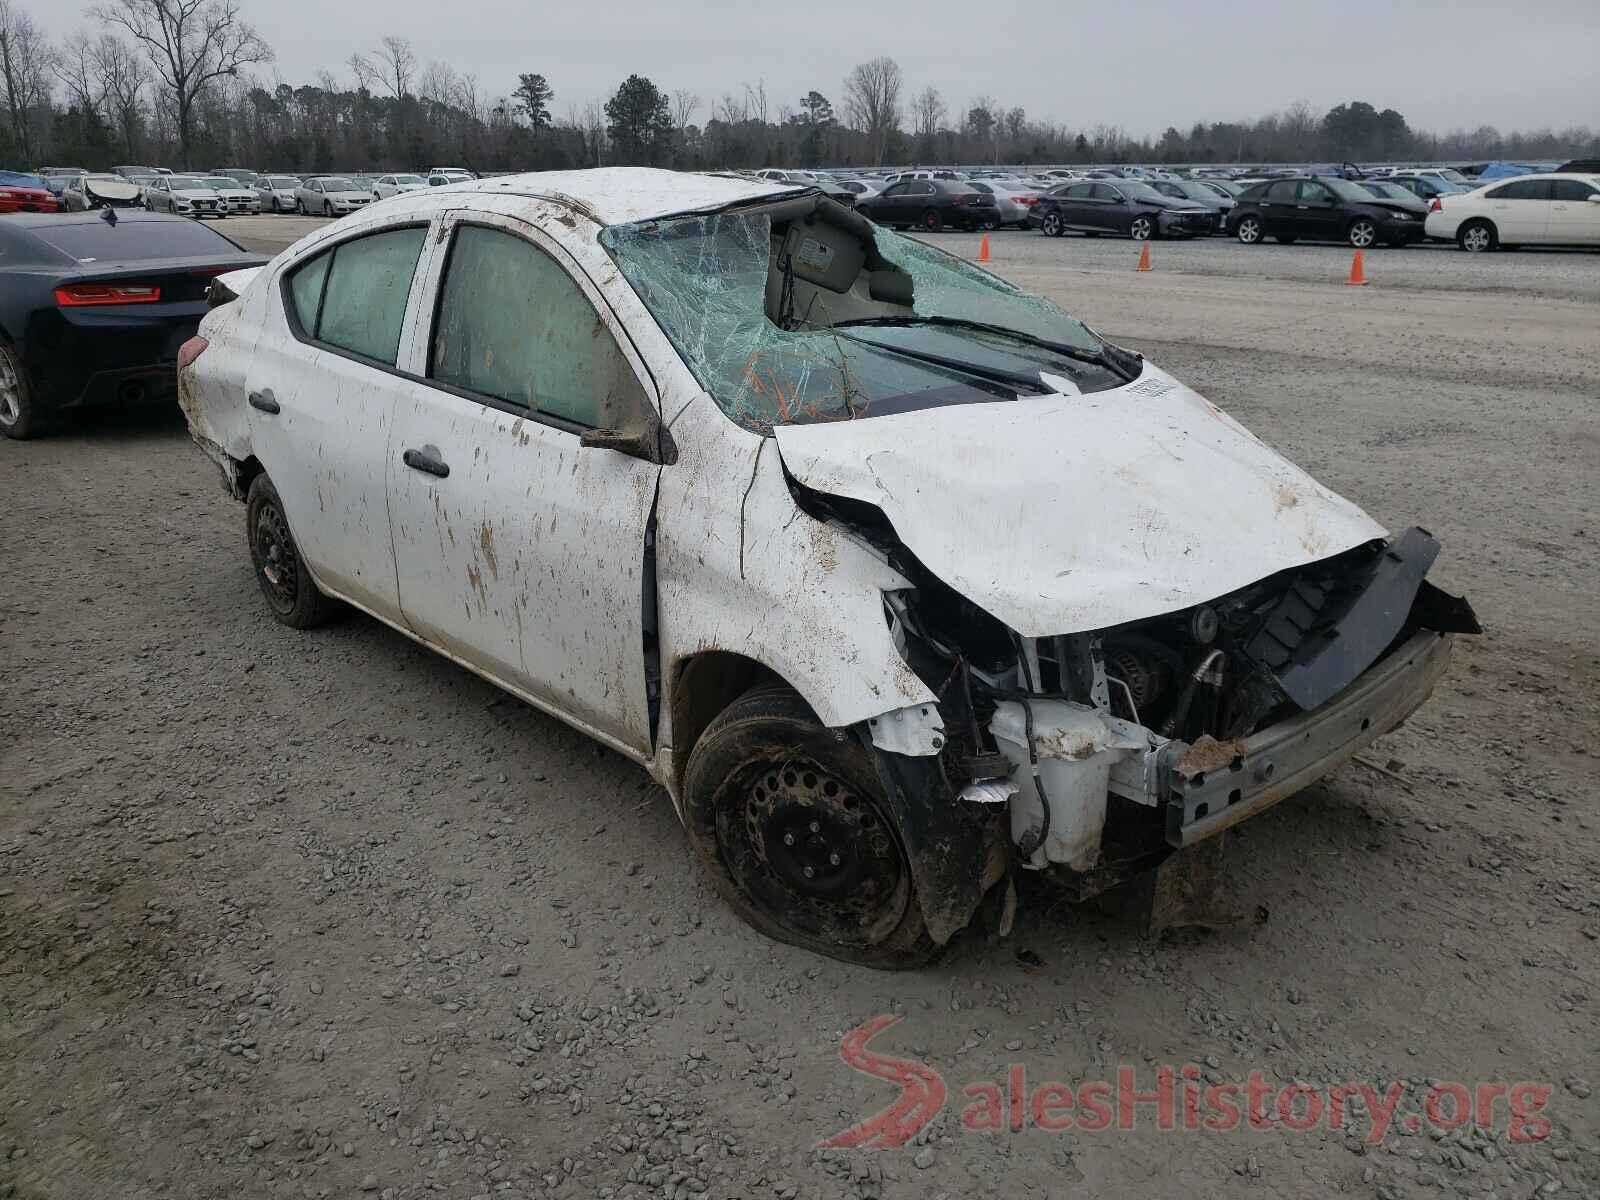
x,y
1062,514
196,194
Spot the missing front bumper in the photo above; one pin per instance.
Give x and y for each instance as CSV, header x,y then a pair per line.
x,y
1215,785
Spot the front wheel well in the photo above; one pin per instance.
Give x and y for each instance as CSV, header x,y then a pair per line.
x,y
703,685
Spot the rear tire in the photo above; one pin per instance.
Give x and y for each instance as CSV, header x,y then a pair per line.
x,y
789,820
292,595
1050,225
19,418
931,221
1478,237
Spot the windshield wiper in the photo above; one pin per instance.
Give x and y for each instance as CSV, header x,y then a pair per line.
x,y
1113,358
1014,379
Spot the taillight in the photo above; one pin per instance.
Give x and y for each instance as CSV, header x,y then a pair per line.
x,y
1436,205
1026,201
82,295
190,351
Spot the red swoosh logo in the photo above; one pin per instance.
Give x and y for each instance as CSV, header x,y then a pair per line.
x,y
921,1092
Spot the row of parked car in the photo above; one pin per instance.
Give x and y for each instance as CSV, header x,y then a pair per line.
x,y
231,191
1381,206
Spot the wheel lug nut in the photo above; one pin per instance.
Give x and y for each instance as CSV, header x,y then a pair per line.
x,y
788,839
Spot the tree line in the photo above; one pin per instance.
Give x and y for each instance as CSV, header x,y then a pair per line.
x,y
180,82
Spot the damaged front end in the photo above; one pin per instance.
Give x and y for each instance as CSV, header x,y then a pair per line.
x,y
1109,751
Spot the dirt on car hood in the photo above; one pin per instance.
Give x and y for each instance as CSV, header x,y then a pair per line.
x,y
1067,513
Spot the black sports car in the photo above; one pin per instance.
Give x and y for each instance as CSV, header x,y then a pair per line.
x,y
1125,206
93,308
1322,210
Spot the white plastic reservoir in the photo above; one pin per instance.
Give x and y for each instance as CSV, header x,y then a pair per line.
x,y
1077,746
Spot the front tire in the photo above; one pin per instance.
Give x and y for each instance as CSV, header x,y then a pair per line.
x,y
1477,237
931,221
1362,234
789,820
327,209
1142,229
19,418
1249,230
292,595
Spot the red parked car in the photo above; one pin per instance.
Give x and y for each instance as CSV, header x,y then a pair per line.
x,y
25,193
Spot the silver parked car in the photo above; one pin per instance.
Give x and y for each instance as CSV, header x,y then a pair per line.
x,y
240,198
276,193
329,196
394,185
185,195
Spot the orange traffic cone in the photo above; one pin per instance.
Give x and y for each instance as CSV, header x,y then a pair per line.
x,y
1358,272
1144,257
983,249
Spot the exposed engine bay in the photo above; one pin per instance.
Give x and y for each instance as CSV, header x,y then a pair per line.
x,y
1101,746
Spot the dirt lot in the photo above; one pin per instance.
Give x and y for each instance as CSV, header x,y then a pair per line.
x,y
322,915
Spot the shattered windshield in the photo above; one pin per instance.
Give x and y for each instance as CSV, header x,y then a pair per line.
x,y
791,314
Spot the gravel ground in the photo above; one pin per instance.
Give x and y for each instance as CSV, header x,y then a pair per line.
x,y
319,915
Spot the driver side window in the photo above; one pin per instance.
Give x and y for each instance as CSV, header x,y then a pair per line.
x,y
513,327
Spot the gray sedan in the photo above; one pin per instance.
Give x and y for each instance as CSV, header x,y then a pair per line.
x,y
277,193
330,196
184,195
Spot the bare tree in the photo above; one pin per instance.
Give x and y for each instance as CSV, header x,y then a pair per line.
x,y
26,61
75,67
122,80
872,101
927,111
684,105
190,43
733,111
391,67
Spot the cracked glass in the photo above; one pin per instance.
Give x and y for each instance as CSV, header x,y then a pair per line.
x,y
709,282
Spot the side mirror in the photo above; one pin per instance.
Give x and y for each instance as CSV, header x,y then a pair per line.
x,y
651,441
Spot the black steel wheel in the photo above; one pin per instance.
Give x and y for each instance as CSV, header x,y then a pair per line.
x,y
291,593
790,821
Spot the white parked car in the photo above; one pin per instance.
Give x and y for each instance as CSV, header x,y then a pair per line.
x,y
393,185
241,200
329,196
1531,210
277,193
862,189
185,195
891,599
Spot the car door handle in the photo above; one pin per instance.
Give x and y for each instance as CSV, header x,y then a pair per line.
x,y
264,400
426,460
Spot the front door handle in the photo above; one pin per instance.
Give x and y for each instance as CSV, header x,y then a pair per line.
x,y
426,460
264,400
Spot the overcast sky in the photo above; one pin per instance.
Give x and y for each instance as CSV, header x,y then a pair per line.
x,y
1140,64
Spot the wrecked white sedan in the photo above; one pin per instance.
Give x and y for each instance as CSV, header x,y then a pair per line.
x,y
899,580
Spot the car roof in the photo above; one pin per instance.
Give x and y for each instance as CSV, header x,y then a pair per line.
x,y
620,195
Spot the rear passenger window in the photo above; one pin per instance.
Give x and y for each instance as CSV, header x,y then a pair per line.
x,y
512,326
1570,189
354,296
